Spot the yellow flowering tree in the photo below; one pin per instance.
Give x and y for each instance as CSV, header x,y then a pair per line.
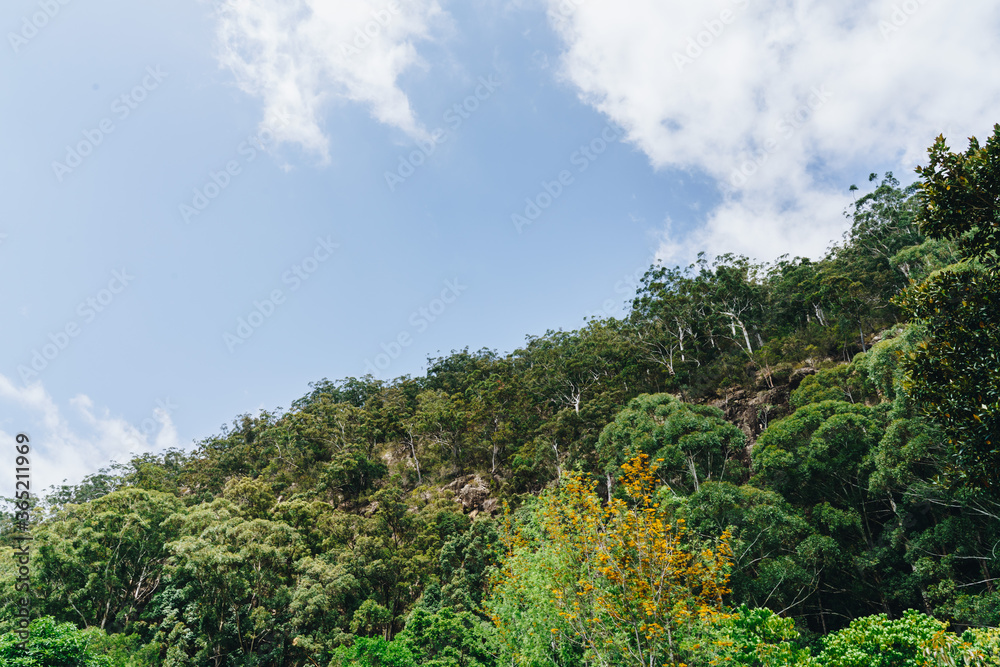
x,y
621,582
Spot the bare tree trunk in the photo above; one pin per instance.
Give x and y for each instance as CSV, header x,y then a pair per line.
x,y
819,314
746,337
822,612
413,453
694,474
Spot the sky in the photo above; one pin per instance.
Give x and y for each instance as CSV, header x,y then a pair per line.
x,y
209,205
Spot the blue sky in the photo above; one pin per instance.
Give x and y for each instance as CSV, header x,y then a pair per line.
x,y
209,205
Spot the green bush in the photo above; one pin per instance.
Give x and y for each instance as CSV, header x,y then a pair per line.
x,y
374,652
758,638
916,640
52,644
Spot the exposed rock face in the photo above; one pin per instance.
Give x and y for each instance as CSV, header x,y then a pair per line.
x,y
752,411
473,491
798,375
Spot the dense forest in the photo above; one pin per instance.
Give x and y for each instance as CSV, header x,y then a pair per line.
x,y
791,463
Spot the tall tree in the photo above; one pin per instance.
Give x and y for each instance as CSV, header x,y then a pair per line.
x,y
955,375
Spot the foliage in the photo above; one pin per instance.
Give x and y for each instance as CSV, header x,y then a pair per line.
x,y
103,561
622,579
823,432
53,644
693,443
446,638
915,640
954,374
960,196
757,637
770,541
374,652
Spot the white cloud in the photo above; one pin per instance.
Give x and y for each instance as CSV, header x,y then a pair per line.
x,y
70,442
822,90
299,56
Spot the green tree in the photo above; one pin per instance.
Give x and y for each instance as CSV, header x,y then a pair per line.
x,y
54,644
446,638
771,543
955,375
230,573
624,583
102,562
692,443
818,459
915,640
373,652
754,637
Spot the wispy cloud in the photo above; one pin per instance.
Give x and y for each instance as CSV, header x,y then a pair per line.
x,y
69,442
302,56
777,101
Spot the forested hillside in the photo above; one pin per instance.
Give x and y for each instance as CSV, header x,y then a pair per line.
x,y
763,464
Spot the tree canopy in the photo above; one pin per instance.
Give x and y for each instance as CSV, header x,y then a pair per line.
x,y
791,463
